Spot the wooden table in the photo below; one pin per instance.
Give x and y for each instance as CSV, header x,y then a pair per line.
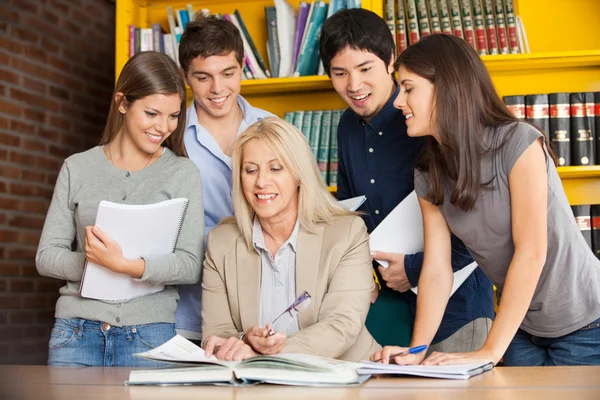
x,y
536,383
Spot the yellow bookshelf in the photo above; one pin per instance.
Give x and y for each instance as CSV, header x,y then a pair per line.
x,y
564,37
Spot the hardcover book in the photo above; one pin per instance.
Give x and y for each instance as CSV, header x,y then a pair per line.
x,y
560,127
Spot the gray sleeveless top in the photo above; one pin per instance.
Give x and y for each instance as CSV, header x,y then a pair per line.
x,y
567,296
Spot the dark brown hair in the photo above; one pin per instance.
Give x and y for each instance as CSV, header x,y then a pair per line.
x,y
208,36
465,104
145,74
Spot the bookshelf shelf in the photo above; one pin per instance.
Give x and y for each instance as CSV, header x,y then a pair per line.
x,y
579,172
541,61
284,85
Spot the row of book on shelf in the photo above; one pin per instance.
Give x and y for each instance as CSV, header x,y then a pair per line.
x,y
320,129
588,220
571,120
292,45
489,26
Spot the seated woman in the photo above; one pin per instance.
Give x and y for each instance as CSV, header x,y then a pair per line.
x,y
491,180
141,159
289,236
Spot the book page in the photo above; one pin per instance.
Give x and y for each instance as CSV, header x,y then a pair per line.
x,y
179,349
460,277
353,203
459,371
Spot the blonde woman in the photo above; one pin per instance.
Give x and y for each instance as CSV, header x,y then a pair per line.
x,y
289,236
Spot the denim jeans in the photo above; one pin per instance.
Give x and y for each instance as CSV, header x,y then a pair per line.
x,y
80,342
581,347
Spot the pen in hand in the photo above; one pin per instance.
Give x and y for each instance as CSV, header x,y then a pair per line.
x,y
412,350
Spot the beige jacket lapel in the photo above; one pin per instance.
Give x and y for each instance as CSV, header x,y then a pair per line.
x,y
248,284
307,270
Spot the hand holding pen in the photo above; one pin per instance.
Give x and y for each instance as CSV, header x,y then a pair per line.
x,y
386,358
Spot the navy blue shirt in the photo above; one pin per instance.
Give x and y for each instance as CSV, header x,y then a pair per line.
x,y
377,159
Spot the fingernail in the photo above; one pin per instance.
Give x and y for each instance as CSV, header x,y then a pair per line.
x,y
373,253
95,228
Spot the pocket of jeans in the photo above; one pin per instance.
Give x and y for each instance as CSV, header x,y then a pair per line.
x,y
593,325
153,335
61,335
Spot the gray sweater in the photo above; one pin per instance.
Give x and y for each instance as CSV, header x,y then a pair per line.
x,y
84,180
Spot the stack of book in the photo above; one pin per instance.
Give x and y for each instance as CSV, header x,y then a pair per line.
x,y
320,129
588,220
571,120
489,26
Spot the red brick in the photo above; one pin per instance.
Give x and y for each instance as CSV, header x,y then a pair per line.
x,y
29,222
51,135
35,53
3,125
34,206
36,332
4,58
21,286
33,176
58,92
35,115
34,84
63,8
9,77
45,316
9,139
2,188
33,145
3,286
8,107
21,189
29,270
59,151
8,236
21,317
10,333
10,203
49,45
21,253
71,27
24,34
43,192
59,122
49,16
27,5
32,302
10,171
10,45
18,157
8,14
48,286
22,127
10,301
35,100
3,317
8,268
32,238
50,164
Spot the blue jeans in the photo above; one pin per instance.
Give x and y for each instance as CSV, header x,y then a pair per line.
x,y
80,342
581,347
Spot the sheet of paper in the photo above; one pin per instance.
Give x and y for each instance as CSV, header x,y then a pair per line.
x,y
460,277
354,203
460,371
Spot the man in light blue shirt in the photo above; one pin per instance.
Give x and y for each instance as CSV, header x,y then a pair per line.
x,y
211,55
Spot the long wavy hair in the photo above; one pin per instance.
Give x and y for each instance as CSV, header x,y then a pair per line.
x,y
145,74
465,105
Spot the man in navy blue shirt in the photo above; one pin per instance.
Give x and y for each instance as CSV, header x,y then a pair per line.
x,y
376,159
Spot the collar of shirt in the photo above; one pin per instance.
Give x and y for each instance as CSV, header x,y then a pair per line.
x,y
258,238
385,117
204,137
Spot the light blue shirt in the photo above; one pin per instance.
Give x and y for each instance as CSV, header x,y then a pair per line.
x,y
215,173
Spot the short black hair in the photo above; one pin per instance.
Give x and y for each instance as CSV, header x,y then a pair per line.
x,y
358,29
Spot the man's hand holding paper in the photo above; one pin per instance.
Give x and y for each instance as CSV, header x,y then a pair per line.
x,y
394,275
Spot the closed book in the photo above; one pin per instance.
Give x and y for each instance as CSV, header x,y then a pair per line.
x,y
501,27
298,117
286,28
424,26
303,11
288,116
584,221
333,147
490,27
157,38
146,39
456,20
516,105
315,132
412,22
324,140
253,48
307,125
401,38
582,144
308,59
511,26
434,17
131,40
560,127
445,22
595,211
467,20
478,21
390,17
251,61
597,124
273,40
138,39
537,111
590,114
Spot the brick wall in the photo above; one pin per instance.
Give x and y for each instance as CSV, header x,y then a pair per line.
x,y
56,79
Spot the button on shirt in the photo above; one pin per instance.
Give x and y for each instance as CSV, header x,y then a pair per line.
x,y
215,173
377,159
278,277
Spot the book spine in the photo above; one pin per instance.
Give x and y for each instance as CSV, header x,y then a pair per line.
x,y
424,27
467,19
131,40
490,26
190,11
584,222
590,114
478,21
434,17
251,61
511,26
501,27
445,22
138,40
244,31
560,127
300,27
324,140
333,147
516,105
273,41
297,120
597,124
536,111
457,29
581,140
390,18
401,40
315,132
308,60
288,116
307,125
413,24
156,36
595,214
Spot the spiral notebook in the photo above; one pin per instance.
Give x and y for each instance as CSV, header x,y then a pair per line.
x,y
148,230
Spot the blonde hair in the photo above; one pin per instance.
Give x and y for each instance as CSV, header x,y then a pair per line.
x,y
315,203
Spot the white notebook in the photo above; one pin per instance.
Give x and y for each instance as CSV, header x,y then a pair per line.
x,y
460,371
402,232
142,231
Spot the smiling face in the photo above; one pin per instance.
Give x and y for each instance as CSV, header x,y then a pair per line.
x,y
215,82
363,80
268,184
416,101
150,120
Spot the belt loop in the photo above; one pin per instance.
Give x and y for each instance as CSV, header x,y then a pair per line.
x,y
128,332
80,332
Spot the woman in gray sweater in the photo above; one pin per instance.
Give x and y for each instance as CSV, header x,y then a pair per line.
x,y
141,159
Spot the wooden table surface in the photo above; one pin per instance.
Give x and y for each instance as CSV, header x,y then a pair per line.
x,y
536,383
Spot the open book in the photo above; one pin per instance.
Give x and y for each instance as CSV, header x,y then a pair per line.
x,y
286,369
402,232
142,231
461,371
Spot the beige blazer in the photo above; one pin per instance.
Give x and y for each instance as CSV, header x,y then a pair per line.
x,y
333,265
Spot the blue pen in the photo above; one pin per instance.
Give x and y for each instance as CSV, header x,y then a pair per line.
x,y
412,350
